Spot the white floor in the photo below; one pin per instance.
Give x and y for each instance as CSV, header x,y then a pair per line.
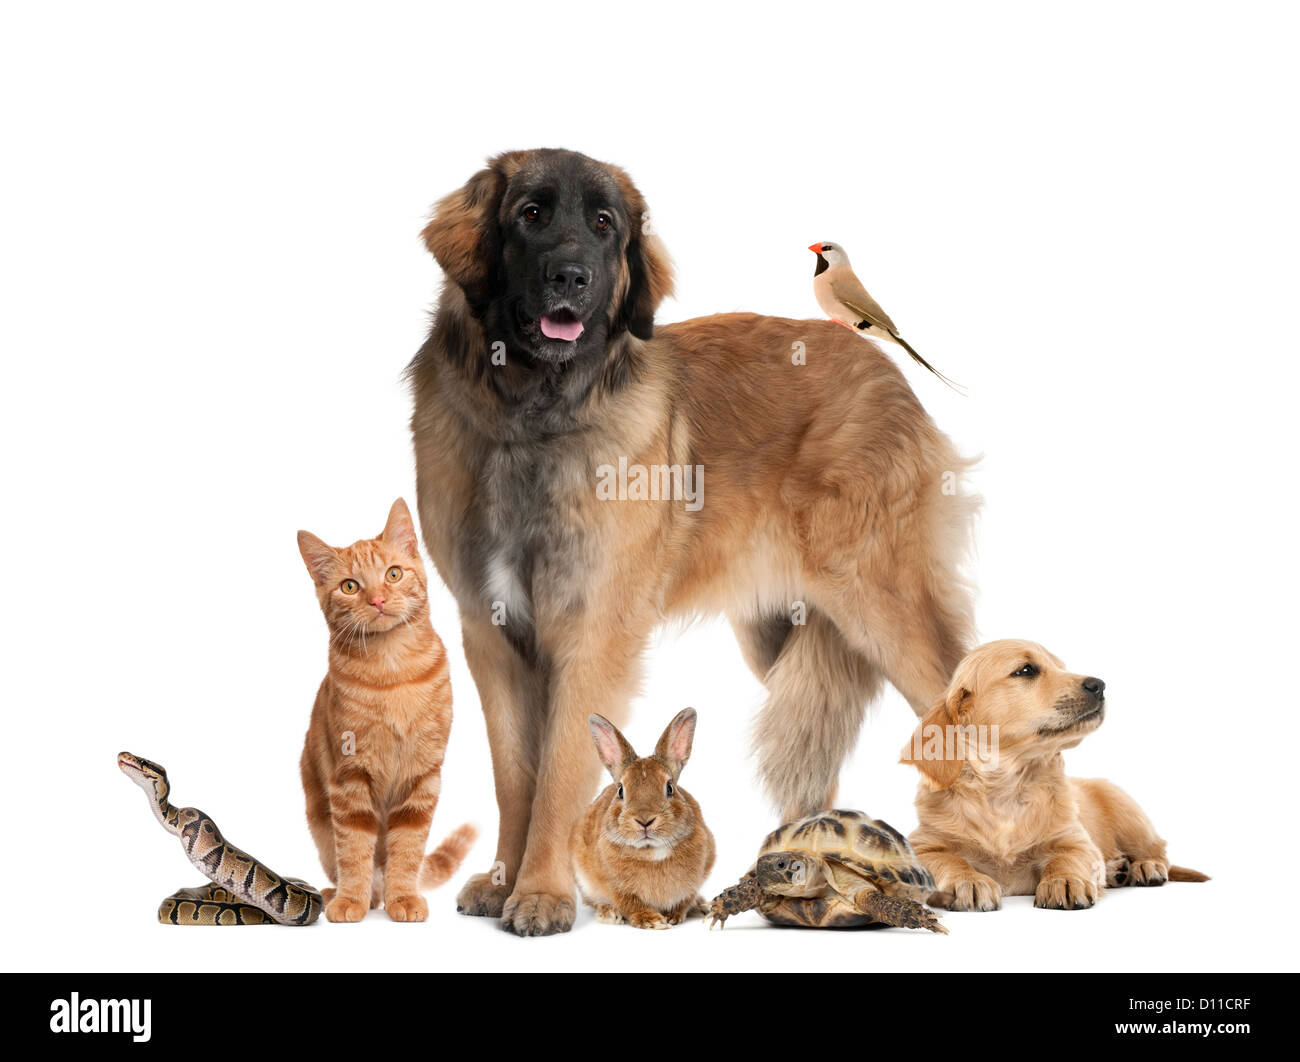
x,y
1166,929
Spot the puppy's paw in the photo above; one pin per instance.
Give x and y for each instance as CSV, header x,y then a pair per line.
x,y
607,914
978,892
1148,872
1118,873
407,908
647,919
1065,894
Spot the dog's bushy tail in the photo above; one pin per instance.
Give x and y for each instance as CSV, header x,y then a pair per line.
x,y
1185,874
441,863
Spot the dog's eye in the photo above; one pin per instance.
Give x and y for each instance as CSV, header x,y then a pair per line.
x,y
603,221
620,792
1028,671
669,789
531,212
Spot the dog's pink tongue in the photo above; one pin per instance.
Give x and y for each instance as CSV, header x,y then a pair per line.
x,y
567,330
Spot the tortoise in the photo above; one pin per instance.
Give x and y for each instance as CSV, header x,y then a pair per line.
x,y
834,869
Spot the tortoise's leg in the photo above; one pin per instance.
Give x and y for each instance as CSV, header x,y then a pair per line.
x,y
897,911
745,895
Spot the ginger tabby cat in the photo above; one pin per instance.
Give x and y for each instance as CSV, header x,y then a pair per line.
x,y
372,765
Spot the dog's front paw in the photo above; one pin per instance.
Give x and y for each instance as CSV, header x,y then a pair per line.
x,y
976,893
1148,872
607,914
482,897
1065,894
537,914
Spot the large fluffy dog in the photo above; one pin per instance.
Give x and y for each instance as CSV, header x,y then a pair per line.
x,y
829,527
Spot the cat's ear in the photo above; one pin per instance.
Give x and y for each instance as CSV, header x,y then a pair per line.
x,y
400,529
318,557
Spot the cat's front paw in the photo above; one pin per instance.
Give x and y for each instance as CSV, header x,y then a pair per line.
x,y
407,909
343,909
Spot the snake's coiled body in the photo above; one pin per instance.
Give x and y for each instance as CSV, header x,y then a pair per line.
x,y
245,892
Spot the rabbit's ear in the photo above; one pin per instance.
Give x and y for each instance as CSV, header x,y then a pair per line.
x,y
674,747
611,746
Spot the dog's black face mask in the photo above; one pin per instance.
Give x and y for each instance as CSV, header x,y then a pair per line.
x,y
563,228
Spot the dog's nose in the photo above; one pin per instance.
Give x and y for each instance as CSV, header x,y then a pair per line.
x,y
1094,686
569,277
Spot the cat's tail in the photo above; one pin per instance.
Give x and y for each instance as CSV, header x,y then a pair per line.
x,y
441,863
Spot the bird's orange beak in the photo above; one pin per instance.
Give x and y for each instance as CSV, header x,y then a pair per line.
x,y
816,248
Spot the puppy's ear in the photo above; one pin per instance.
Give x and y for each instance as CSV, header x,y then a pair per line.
x,y
937,748
611,746
462,234
649,270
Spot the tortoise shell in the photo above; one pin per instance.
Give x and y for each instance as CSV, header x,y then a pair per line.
x,y
866,848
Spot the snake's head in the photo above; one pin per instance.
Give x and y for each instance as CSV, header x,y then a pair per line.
x,y
143,772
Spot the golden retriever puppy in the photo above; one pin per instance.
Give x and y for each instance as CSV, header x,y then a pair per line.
x,y
997,815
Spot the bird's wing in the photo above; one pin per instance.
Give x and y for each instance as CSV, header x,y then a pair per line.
x,y
853,296
850,292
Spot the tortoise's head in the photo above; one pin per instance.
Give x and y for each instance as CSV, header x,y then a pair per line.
x,y
787,873
148,775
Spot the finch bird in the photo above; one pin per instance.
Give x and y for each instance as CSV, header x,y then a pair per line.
x,y
841,295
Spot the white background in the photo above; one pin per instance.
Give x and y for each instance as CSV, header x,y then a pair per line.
x,y
212,282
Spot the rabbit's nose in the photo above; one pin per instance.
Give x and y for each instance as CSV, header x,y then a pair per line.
x,y
645,825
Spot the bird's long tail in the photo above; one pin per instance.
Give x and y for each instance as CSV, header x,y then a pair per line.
x,y
441,863
921,361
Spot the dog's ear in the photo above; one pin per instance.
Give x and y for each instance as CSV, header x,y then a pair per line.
x,y
649,270
462,235
938,747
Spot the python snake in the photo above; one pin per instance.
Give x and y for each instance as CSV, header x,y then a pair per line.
x,y
244,892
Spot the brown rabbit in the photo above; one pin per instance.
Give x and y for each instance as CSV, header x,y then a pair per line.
x,y
642,851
